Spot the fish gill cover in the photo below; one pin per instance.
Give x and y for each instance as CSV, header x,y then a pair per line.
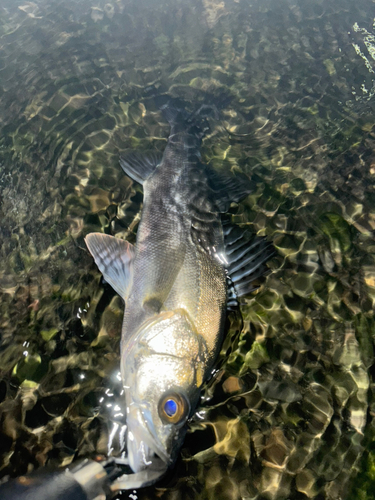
x,y
289,412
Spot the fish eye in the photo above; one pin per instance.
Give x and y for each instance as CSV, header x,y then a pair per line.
x,y
170,408
173,408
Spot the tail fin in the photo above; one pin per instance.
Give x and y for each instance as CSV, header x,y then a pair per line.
x,y
195,123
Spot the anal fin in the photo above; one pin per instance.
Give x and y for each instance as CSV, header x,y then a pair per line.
x,y
139,166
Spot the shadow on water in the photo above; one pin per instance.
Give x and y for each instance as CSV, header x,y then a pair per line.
x,y
289,412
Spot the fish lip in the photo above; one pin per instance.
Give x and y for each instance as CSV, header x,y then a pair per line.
x,y
161,456
143,444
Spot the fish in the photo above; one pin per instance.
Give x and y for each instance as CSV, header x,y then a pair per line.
x,y
189,266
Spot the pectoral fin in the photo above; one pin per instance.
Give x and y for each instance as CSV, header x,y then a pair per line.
x,y
139,166
114,258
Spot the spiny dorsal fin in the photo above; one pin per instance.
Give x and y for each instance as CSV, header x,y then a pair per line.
x,y
114,258
139,166
246,256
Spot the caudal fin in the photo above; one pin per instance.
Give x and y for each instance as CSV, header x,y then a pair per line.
x,y
176,112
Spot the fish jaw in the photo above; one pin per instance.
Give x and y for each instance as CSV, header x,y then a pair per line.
x,y
144,448
163,363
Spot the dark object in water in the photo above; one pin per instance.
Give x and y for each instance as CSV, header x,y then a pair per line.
x,y
87,480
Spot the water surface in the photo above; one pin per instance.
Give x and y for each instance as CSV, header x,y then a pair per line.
x,y
289,412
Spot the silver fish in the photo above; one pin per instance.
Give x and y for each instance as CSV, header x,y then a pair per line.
x,y
175,286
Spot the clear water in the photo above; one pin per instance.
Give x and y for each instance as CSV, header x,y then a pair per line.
x,y
289,412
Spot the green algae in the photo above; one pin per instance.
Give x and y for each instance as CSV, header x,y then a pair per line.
x,y
255,358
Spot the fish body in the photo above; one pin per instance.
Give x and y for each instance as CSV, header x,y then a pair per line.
x,y
175,267
174,284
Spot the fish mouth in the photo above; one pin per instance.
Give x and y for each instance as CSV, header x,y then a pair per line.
x,y
144,448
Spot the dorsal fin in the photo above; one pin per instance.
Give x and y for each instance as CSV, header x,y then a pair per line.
x,y
114,258
246,256
139,166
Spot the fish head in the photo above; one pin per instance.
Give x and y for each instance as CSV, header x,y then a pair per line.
x,y
163,371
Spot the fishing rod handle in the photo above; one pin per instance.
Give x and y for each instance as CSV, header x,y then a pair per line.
x,y
87,481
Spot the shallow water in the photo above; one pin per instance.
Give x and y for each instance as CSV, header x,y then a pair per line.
x,y
289,412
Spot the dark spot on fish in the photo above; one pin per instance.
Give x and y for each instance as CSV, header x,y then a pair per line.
x,y
152,305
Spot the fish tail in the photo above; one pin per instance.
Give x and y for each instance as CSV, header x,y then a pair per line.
x,y
194,123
